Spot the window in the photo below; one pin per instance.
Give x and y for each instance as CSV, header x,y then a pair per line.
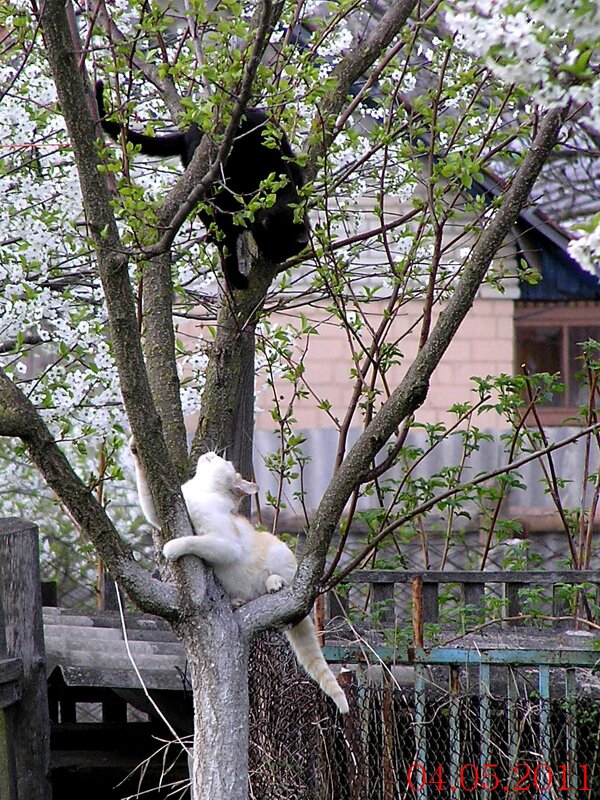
x,y
548,338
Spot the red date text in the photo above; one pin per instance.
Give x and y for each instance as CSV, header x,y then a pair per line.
x,y
487,777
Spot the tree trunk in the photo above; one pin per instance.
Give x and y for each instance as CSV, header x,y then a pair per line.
x,y
218,665
226,421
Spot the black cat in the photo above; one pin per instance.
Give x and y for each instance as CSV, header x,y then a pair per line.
x,y
250,161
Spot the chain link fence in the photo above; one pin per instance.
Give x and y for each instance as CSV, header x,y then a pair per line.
x,y
414,732
431,732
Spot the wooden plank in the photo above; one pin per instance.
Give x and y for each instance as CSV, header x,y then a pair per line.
x,y
10,693
448,655
107,592
561,608
21,600
338,604
319,614
421,724
472,595
544,732
513,601
454,732
571,734
431,601
556,658
11,671
8,779
417,611
515,722
77,676
383,597
485,720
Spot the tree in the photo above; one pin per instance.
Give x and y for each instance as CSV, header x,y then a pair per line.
x,y
98,281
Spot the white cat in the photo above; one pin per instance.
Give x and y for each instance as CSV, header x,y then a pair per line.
x,y
247,562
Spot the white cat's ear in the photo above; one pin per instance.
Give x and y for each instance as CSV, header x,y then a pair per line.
x,y
242,487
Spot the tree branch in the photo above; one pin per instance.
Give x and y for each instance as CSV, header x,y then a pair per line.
x,y
10,344
18,417
346,73
408,395
159,335
159,340
205,165
227,407
113,271
512,466
165,84
159,351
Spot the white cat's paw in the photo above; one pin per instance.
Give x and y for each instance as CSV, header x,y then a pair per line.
x,y
174,549
274,583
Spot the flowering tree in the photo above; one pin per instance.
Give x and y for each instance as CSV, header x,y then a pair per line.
x,y
103,260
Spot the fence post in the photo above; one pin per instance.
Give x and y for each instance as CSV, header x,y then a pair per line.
x,y
20,595
8,785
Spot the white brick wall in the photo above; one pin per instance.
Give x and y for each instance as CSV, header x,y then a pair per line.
x,y
483,346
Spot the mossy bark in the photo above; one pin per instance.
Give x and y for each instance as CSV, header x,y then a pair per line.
x,y
217,661
226,420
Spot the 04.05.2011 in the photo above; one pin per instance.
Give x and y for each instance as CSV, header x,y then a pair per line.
x,y
523,778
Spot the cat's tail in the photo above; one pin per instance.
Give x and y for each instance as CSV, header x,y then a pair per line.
x,y
171,144
303,640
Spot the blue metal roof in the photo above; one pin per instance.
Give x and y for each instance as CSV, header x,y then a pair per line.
x,y
562,277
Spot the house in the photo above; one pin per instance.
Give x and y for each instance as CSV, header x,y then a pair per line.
x,y
539,324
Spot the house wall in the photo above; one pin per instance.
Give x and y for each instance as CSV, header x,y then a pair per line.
x,y
483,346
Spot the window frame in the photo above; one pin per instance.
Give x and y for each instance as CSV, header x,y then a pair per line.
x,y
565,316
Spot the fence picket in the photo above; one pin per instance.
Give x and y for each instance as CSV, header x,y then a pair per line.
x,y
454,730
421,727
571,734
544,689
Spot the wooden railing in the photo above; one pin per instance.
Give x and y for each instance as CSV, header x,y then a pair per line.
x,y
382,598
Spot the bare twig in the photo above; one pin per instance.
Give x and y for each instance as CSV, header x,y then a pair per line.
x,y
428,504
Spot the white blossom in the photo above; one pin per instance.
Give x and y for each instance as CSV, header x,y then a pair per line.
x,y
533,45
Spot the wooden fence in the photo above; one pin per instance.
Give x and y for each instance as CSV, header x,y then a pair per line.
x,y
486,717
569,594
386,599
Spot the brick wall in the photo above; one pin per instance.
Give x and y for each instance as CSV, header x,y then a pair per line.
x,y
483,345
